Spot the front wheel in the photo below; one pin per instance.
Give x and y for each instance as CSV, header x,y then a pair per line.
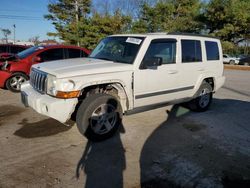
x,y
99,116
203,98
15,81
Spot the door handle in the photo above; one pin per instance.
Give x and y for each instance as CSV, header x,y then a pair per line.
x,y
201,69
172,71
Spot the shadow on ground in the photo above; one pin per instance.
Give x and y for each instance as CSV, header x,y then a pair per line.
x,y
182,153
103,163
7,111
43,128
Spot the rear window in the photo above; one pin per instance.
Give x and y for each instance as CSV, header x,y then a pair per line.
x,y
191,51
212,51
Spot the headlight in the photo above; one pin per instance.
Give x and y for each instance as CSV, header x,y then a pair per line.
x,y
63,89
67,85
51,85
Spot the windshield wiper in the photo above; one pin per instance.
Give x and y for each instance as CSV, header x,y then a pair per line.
x,y
103,58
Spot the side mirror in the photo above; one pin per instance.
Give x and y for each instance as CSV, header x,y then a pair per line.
x,y
152,62
37,59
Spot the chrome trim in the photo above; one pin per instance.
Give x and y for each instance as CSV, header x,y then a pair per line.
x,y
38,80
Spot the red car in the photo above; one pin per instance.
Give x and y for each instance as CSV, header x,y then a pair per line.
x,y
15,70
6,50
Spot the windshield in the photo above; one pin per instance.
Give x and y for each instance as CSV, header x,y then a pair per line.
x,y
29,51
118,49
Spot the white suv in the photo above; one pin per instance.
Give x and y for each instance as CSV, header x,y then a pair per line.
x,y
123,73
227,59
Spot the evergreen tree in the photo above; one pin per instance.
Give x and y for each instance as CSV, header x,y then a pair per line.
x,y
169,16
100,26
67,16
228,19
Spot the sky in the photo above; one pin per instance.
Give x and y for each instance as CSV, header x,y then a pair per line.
x,y
27,15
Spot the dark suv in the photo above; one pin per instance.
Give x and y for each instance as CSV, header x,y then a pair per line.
x,y
15,69
6,50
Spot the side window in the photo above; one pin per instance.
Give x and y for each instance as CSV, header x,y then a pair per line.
x,y
3,49
51,54
84,54
164,48
16,49
212,50
74,53
191,51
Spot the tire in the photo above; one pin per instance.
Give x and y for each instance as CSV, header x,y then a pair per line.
x,y
203,98
246,64
232,62
100,115
14,82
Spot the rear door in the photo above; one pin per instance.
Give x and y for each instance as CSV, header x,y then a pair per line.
x,y
191,66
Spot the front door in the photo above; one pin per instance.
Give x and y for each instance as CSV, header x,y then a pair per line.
x,y
157,83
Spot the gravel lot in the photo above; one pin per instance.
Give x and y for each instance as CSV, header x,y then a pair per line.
x,y
166,147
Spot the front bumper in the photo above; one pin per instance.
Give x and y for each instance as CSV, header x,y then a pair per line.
x,y
4,75
59,109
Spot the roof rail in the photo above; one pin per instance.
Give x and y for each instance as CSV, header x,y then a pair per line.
x,y
158,33
191,34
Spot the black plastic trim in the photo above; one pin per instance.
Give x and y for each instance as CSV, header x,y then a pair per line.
x,y
163,92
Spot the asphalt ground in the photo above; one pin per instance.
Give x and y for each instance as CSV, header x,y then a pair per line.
x,y
165,147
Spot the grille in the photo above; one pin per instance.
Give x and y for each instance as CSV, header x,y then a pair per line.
x,y
38,80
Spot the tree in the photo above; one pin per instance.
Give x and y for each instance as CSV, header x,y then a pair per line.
x,y
169,16
127,7
99,26
35,40
228,19
67,16
6,32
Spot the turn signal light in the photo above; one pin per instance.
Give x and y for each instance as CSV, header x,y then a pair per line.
x,y
68,94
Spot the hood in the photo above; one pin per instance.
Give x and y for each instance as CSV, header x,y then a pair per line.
x,y
81,66
10,57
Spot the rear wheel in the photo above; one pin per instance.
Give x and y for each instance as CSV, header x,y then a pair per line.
x,y
203,98
232,62
15,81
99,116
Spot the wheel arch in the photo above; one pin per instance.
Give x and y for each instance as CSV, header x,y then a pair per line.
x,y
13,73
205,78
116,89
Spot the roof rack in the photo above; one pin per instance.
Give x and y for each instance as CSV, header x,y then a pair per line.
x,y
157,33
191,34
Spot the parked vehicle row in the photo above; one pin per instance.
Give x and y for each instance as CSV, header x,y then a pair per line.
x,y
15,69
245,61
227,59
7,50
125,73
241,60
